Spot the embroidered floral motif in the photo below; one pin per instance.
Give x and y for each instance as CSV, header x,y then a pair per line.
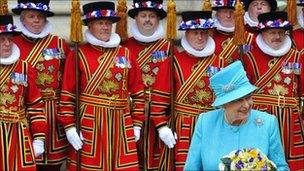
x,y
108,74
278,90
4,88
277,78
108,86
287,80
6,98
40,67
51,68
202,95
43,79
146,69
148,79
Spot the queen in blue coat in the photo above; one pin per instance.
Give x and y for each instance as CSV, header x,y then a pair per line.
x,y
234,126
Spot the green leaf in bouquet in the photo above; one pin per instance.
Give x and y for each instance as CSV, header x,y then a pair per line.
x,y
227,162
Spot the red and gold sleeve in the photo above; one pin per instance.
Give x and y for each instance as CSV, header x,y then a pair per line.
x,y
136,89
35,107
66,114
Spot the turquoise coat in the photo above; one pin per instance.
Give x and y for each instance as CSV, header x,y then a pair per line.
x,y
213,138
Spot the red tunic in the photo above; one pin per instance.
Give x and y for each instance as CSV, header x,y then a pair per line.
x,y
192,97
298,39
280,86
154,62
21,117
47,61
107,78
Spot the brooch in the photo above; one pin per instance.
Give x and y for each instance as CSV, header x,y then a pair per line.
x,y
259,121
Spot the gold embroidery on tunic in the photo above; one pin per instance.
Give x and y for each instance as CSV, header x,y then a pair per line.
x,y
108,86
6,98
225,43
4,88
148,79
44,78
202,95
272,62
40,67
278,90
277,78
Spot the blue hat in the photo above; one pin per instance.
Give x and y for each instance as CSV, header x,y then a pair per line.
x,y
301,3
231,83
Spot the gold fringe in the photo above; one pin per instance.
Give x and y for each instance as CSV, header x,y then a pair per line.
x,y
171,20
292,11
3,7
207,5
239,37
76,22
122,25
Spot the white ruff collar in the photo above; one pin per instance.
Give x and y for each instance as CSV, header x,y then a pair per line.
x,y
158,34
13,57
112,43
273,52
220,27
301,19
249,21
46,31
207,51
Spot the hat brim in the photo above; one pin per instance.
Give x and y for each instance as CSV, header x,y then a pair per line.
x,y
113,19
267,28
18,11
194,29
224,7
160,12
234,95
301,5
14,33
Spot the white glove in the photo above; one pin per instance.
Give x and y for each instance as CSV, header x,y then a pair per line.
x,y
38,146
137,132
74,138
166,135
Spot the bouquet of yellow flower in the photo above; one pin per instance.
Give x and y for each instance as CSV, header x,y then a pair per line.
x,y
246,159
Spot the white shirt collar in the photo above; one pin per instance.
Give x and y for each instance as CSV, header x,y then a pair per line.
x,y
112,43
301,19
249,21
13,57
207,51
273,52
46,30
220,27
158,34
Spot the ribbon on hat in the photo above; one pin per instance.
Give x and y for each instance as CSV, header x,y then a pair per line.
x,y
274,24
221,3
197,24
100,13
237,81
30,5
148,4
7,28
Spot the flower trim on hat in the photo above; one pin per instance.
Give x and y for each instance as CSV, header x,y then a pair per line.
x,y
7,28
100,13
197,24
279,23
222,3
301,1
148,4
30,5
